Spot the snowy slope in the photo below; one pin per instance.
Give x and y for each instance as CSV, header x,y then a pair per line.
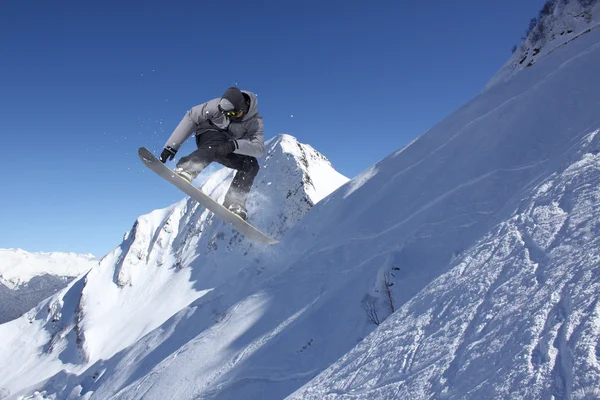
x,y
475,248
516,316
282,320
28,278
170,258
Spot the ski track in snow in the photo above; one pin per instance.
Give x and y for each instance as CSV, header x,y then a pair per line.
x,y
557,332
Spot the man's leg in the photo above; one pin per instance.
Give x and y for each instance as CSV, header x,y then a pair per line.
x,y
199,159
247,168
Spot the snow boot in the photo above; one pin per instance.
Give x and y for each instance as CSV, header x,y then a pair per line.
x,y
184,174
239,210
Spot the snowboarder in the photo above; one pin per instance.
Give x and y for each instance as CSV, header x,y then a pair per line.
x,y
229,130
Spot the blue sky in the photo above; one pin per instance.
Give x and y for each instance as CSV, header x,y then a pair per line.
x,y
83,84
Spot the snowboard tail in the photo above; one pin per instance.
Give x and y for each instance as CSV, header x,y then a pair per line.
x,y
195,193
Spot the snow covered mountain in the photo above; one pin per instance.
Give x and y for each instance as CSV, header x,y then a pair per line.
x,y
558,23
28,278
464,265
170,258
517,315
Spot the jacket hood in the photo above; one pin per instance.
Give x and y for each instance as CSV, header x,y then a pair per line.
x,y
253,110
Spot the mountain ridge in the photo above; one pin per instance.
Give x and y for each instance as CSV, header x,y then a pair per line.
x,y
180,253
559,23
28,278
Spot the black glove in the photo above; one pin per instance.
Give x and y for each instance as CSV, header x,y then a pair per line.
x,y
167,154
225,149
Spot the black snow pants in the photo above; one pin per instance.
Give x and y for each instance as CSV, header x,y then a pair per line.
x,y
247,166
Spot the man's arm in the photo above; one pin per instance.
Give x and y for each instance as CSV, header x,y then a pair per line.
x,y
255,144
190,123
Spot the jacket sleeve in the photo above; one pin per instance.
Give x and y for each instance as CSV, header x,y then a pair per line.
x,y
254,145
189,124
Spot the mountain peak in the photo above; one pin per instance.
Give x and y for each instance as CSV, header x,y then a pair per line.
x,y
558,23
318,175
173,256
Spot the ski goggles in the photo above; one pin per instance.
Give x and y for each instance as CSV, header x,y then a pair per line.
x,y
231,113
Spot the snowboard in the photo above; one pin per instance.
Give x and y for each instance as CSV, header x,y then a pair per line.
x,y
195,193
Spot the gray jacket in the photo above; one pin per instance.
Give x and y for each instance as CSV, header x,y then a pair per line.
x,y
247,134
